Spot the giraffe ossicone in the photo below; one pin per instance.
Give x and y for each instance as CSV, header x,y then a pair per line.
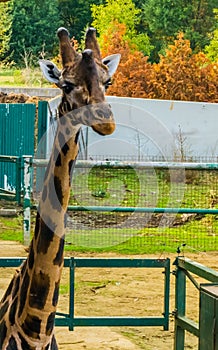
x,y
28,307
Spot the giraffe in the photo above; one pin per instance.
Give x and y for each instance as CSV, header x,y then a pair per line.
x,y
28,307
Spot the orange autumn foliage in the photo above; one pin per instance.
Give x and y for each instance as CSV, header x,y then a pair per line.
x,y
179,75
134,71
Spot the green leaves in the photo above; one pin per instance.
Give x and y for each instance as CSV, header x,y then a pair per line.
x,y
33,26
106,17
166,18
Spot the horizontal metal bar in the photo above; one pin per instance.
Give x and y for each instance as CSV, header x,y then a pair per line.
x,y
140,209
10,159
11,262
111,321
120,262
188,325
100,262
197,269
143,210
136,165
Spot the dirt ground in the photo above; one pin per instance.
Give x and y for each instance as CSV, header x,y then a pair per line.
x,y
117,292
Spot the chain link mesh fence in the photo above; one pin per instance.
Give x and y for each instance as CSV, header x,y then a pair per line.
x,y
112,189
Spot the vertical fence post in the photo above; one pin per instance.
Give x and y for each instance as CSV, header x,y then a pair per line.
x,y
166,294
180,305
27,167
72,290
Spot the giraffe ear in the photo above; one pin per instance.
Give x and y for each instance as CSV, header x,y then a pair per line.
x,y
50,71
112,63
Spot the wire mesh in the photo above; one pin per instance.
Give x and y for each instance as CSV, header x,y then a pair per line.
x,y
146,188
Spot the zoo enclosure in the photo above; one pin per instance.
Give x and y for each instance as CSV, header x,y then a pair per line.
x,y
158,224
150,204
70,320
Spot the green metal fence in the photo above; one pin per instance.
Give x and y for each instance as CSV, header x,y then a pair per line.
x,y
17,138
148,206
71,321
208,338
206,330
142,206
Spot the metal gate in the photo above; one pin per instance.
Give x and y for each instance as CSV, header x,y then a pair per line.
x,y
70,320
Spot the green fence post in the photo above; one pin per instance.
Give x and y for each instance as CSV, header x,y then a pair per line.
x,y
27,164
166,294
72,288
180,305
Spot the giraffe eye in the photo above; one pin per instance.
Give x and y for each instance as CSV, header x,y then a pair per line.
x,y
107,84
68,87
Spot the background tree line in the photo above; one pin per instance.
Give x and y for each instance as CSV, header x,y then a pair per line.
x,y
158,39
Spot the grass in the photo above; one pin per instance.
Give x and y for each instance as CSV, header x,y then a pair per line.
x,y
132,187
196,235
11,229
22,77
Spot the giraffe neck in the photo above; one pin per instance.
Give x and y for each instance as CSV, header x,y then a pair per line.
x,y
45,260
33,293
27,310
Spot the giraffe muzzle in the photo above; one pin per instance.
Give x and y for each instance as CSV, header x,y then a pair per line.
x,y
103,120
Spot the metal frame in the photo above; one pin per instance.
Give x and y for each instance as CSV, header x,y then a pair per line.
x,y
184,268
71,321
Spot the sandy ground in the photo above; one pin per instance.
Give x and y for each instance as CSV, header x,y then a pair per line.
x,y
117,292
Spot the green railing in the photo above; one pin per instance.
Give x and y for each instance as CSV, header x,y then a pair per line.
x,y
71,321
185,268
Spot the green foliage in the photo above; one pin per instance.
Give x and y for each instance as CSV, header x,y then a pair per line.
x,y
28,27
5,28
33,31
212,49
123,11
75,15
105,17
165,18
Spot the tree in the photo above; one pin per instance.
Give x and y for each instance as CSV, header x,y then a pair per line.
x,y
164,19
184,75
120,11
134,72
179,75
5,29
212,49
33,28
76,15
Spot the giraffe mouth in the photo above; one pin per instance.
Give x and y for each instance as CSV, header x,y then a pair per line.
x,y
104,128
103,121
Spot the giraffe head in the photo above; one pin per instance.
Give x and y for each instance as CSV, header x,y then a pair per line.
x,y
83,79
